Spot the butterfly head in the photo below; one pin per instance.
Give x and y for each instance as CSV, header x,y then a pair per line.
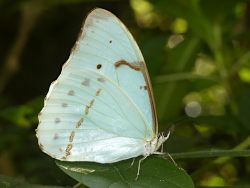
x,y
163,136
166,134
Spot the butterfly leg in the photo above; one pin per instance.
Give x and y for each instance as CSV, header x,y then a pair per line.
x,y
139,166
172,161
162,148
131,164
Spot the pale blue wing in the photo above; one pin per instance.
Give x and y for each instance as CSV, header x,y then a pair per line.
x,y
88,117
105,41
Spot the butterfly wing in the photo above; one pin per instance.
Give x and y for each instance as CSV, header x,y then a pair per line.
x,y
101,108
88,117
105,41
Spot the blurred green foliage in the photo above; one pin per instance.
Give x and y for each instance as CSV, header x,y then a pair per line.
x,y
198,56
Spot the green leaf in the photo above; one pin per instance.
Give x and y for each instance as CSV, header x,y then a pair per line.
x,y
7,182
154,172
234,186
244,113
18,115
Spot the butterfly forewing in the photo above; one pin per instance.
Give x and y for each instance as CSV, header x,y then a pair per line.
x,y
105,41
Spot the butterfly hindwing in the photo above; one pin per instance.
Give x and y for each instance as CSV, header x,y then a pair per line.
x,y
86,115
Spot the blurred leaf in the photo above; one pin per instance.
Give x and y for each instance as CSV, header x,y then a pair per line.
x,y
185,76
244,111
244,74
181,58
8,182
63,2
36,104
178,143
234,186
154,53
154,172
18,115
200,84
217,10
191,12
24,115
226,123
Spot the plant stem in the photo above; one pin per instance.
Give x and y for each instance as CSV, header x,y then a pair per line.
x,y
79,185
224,75
245,58
182,76
221,160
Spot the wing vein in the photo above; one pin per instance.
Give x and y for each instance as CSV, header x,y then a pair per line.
x,y
114,37
95,56
120,174
92,141
103,44
127,152
92,122
90,93
118,105
91,107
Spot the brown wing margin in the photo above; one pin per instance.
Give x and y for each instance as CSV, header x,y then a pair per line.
x,y
145,73
81,31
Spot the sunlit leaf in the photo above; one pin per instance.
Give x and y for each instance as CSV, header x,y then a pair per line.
x,y
244,74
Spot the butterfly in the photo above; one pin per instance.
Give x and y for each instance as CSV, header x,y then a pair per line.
x,y
101,108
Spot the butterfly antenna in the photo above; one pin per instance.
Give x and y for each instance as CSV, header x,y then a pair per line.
x,y
186,122
180,122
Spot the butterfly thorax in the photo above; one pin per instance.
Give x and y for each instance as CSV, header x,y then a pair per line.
x,y
153,145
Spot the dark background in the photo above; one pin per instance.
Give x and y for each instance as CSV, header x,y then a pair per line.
x,y
198,57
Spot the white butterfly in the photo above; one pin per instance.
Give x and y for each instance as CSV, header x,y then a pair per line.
x,y
101,108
